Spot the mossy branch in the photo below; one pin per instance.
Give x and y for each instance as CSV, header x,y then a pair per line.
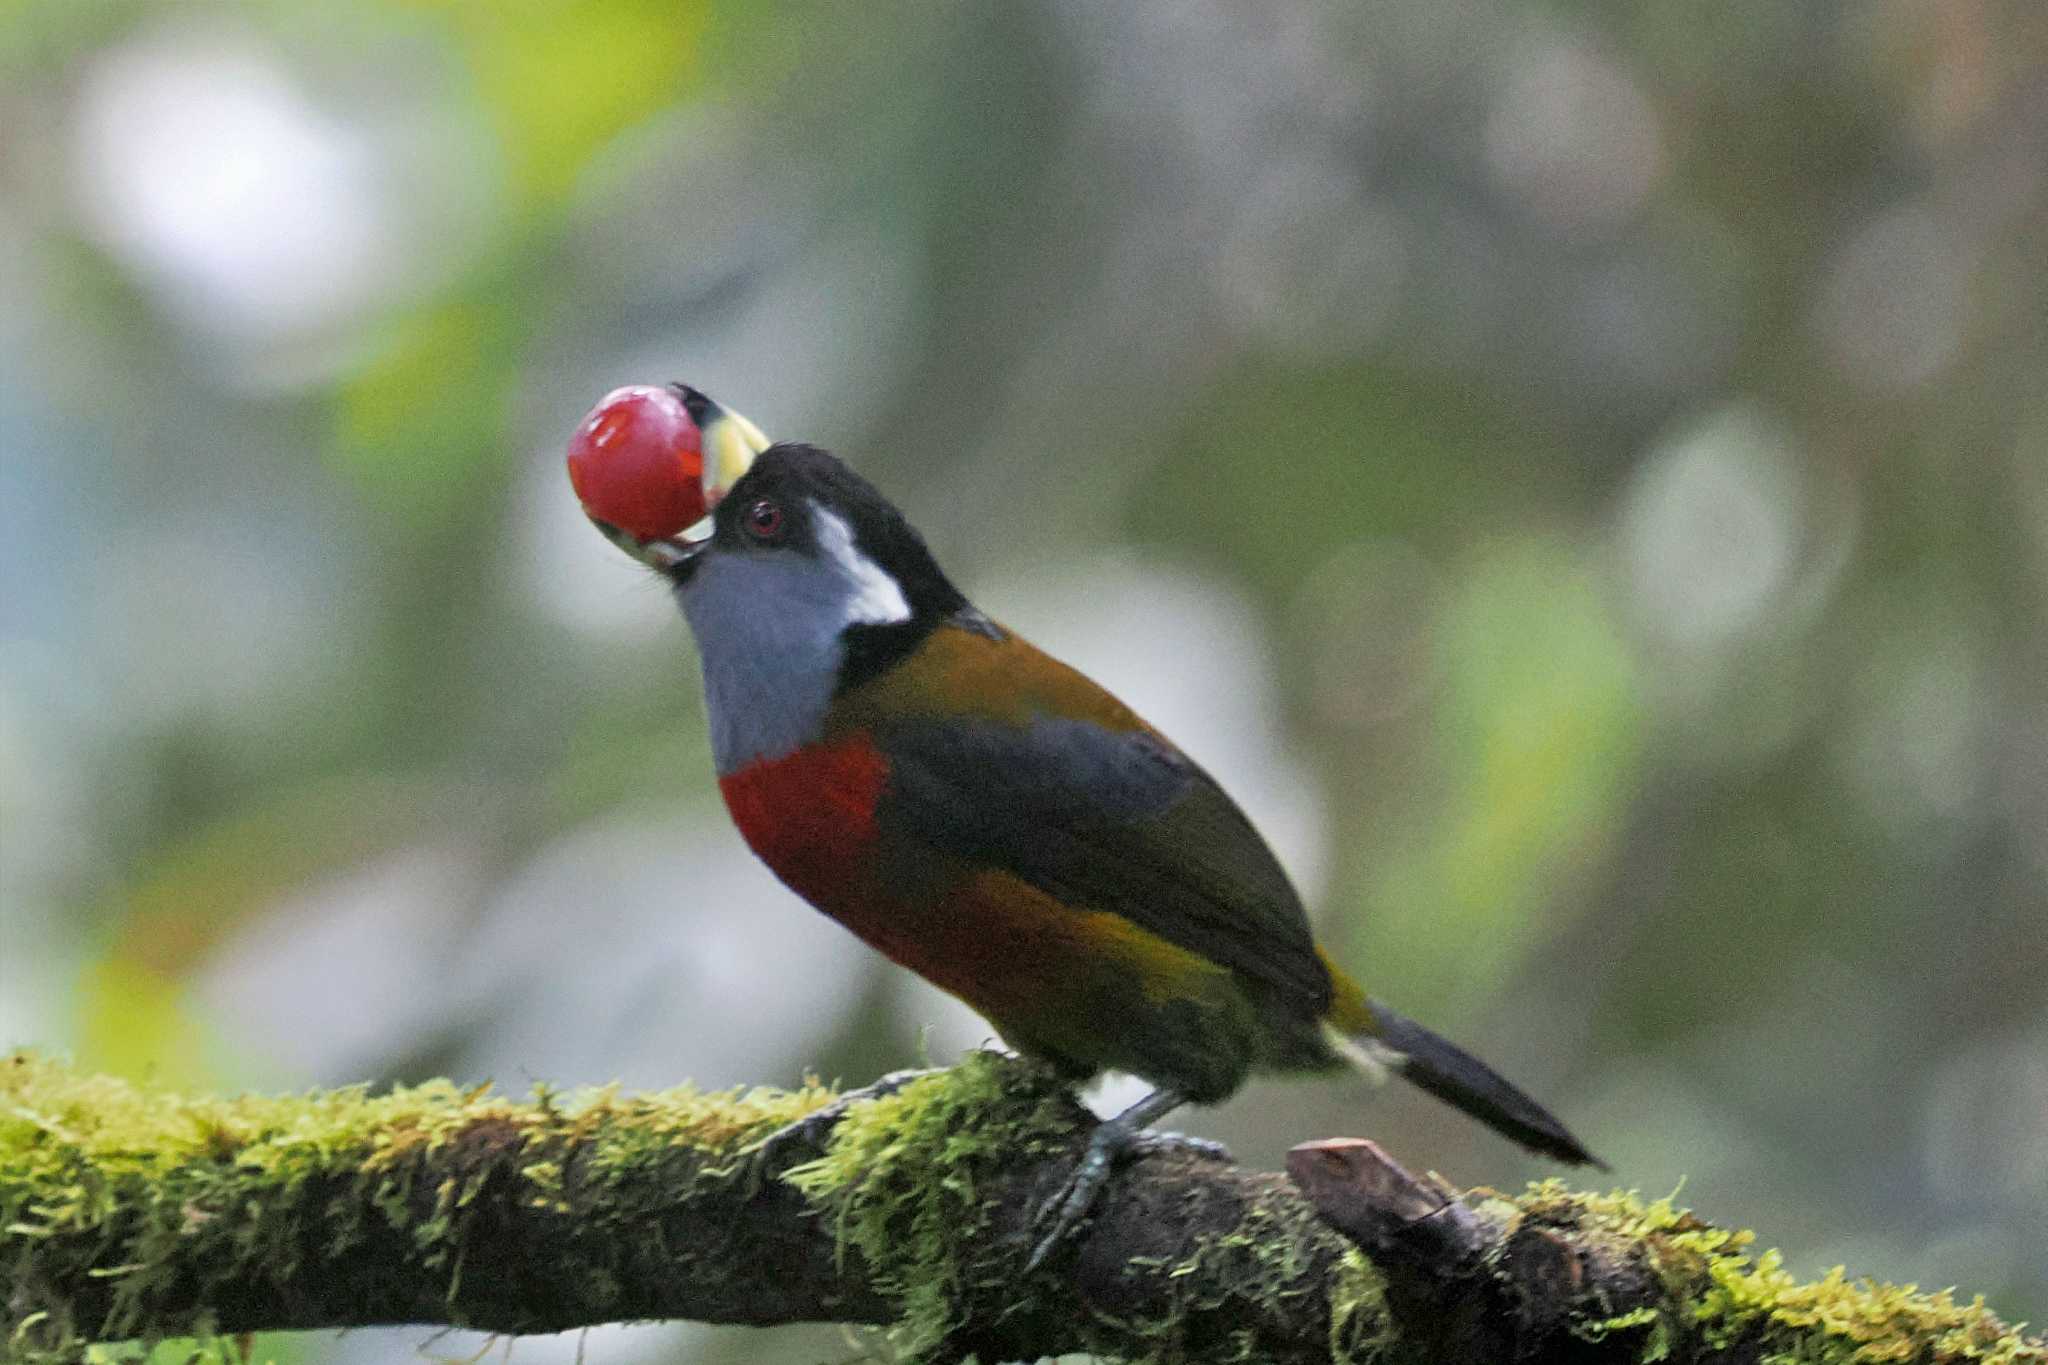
x,y
131,1214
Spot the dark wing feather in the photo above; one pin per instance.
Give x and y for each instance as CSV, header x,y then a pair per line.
x,y
1104,819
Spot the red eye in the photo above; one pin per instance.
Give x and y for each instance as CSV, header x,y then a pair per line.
x,y
763,520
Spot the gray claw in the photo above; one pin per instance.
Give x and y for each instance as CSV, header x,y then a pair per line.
x,y
812,1127
1113,1140
1064,1209
1162,1144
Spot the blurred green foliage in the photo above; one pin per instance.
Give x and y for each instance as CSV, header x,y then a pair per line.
x,y
1624,428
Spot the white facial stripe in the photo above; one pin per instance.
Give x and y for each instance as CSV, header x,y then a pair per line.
x,y
768,624
877,599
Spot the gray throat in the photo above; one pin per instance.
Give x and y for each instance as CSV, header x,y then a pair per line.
x,y
769,674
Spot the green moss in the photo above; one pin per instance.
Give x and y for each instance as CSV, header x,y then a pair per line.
x,y
905,1179
126,1188
1736,1296
1361,1328
1271,1257
901,1180
125,1184
1837,1321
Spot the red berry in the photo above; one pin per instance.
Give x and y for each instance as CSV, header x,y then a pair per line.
x,y
637,461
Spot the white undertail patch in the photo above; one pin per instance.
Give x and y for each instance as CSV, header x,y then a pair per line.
x,y
877,599
1373,1058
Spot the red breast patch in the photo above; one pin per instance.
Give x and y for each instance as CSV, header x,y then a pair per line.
x,y
810,815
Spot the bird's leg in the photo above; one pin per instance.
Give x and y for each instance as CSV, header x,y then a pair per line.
x,y
1114,1140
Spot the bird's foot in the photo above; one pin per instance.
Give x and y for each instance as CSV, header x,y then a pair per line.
x,y
811,1130
1113,1142
1063,1210
1149,1143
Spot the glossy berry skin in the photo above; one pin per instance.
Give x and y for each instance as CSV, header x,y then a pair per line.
x,y
637,462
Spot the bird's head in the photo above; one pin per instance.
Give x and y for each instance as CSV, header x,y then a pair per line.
x,y
809,583
802,581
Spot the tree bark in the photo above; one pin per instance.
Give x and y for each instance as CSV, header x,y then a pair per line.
x,y
132,1214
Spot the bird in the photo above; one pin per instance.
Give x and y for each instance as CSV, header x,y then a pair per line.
x,y
997,822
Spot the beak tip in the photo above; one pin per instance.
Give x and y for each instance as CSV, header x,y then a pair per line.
x,y
660,553
728,444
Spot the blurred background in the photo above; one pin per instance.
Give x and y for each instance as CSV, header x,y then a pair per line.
x,y
1578,472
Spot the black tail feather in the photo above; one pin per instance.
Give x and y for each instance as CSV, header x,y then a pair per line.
x,y
1464,1082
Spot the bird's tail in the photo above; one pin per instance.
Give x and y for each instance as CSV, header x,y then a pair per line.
x,y
1373,1034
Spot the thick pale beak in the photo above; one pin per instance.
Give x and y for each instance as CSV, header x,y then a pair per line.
x,y
730,444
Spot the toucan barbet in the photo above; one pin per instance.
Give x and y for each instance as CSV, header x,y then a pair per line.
x,y
992,819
